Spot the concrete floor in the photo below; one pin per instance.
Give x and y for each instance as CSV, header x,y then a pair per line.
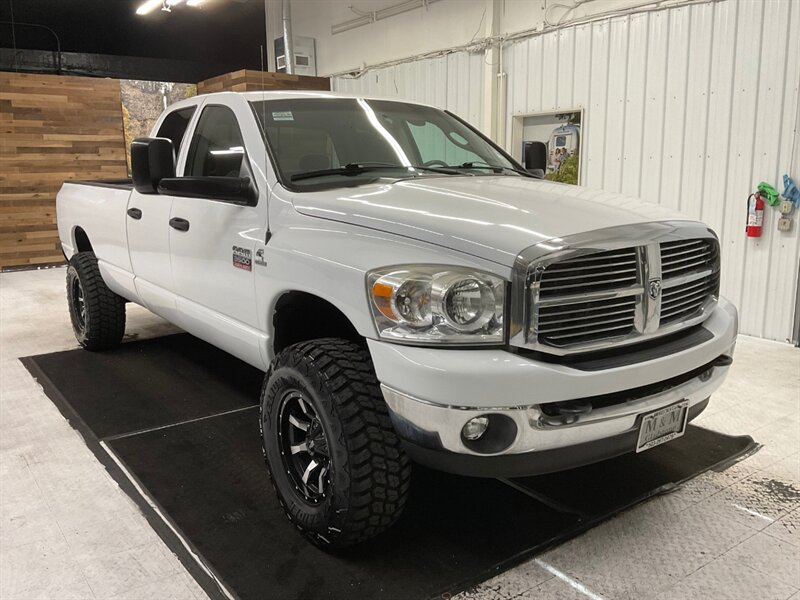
x,y
67,531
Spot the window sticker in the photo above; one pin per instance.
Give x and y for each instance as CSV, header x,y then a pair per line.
x,y
282,115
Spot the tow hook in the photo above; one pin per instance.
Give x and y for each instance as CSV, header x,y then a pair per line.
x,y
723,360
566,413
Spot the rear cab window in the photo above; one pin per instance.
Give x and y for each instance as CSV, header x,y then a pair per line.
x,y
174,125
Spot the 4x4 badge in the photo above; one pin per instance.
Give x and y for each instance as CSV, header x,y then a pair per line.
x,y
260,261
654,288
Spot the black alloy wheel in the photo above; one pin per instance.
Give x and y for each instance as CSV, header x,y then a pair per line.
x,y
338,468
79,302
304,446
97,314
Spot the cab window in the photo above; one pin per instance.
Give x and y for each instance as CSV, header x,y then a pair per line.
x,y
217,148
174,126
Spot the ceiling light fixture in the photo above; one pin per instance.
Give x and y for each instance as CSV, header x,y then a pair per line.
x,y
166,5
148,7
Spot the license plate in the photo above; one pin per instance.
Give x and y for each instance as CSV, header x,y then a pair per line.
x,y
663,425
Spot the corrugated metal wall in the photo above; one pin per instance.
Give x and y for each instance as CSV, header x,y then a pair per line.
x,y
454,82
689,107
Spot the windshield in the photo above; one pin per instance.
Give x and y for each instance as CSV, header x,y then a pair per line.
x,y
334,142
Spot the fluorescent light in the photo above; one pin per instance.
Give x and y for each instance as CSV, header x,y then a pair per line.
x,y
148,7
194,2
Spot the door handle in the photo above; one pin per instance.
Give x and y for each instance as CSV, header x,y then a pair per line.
x,y
179,224
134,213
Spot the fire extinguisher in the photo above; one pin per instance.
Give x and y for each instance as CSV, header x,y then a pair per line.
x,y
755,215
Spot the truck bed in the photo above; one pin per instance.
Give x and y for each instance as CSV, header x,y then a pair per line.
x,y
98,208
119,184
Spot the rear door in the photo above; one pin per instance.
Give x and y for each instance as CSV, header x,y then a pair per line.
x,y
148,229
213,253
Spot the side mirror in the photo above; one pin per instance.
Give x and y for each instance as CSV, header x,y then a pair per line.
x,y
538,173
535,156
152,159
236,190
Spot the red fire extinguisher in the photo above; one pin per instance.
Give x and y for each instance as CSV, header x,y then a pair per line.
x,y
755,215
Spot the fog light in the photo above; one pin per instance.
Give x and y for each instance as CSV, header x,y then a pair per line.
x,y
475,428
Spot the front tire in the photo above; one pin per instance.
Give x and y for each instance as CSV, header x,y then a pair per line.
x,y
339,470
97,313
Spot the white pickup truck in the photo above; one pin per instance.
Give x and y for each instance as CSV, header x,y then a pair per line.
x,y
410,291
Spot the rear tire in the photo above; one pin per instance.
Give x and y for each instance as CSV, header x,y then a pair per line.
x,y
97,313
338,468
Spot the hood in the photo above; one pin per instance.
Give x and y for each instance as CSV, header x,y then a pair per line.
x,y
491,217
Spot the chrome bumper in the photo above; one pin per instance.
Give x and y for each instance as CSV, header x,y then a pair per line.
x,y
438,428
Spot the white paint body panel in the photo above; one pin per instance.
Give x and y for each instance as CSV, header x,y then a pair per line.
x,y
492,217
325,242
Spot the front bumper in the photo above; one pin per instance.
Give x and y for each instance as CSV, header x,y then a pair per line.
x,y
432,393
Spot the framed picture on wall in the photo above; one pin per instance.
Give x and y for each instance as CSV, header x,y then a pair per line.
x,y
550,142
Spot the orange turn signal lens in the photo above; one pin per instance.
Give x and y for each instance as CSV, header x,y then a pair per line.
x,y
382,297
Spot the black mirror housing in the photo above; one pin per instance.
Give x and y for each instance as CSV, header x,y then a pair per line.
x,y
235,190
152,159
534,156
538,173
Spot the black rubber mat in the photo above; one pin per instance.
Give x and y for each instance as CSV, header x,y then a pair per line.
x,y
175,422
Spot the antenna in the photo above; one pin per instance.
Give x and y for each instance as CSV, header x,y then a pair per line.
x,y
264,136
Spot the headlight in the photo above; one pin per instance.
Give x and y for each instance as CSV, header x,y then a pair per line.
x,y
437,305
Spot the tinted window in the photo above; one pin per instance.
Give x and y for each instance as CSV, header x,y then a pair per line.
x,y
174,126
217,148
436,146
314,134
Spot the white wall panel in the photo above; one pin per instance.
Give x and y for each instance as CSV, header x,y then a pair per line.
x,y
454,82
635,101
691,107
593,163
698,82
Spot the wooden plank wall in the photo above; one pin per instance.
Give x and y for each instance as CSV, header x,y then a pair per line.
x,y
248,81
52,128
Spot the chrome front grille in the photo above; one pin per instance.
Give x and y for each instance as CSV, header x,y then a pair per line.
x,y
590,273
586,321
690,276
686,299
684,256
585,297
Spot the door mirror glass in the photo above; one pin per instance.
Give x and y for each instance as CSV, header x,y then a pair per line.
x,y
152,159
534,156
236,190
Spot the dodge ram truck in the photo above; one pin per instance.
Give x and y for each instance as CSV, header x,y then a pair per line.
x,y
410,291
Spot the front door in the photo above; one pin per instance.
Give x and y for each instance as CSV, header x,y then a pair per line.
x,y
212,243
147,217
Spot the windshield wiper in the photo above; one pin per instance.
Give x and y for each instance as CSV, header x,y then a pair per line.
x,y
495,168
351,169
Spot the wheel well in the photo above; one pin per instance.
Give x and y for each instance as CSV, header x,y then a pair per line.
x,y
82,243
300,316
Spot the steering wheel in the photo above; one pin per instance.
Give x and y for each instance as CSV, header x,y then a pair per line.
x,y
435,163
